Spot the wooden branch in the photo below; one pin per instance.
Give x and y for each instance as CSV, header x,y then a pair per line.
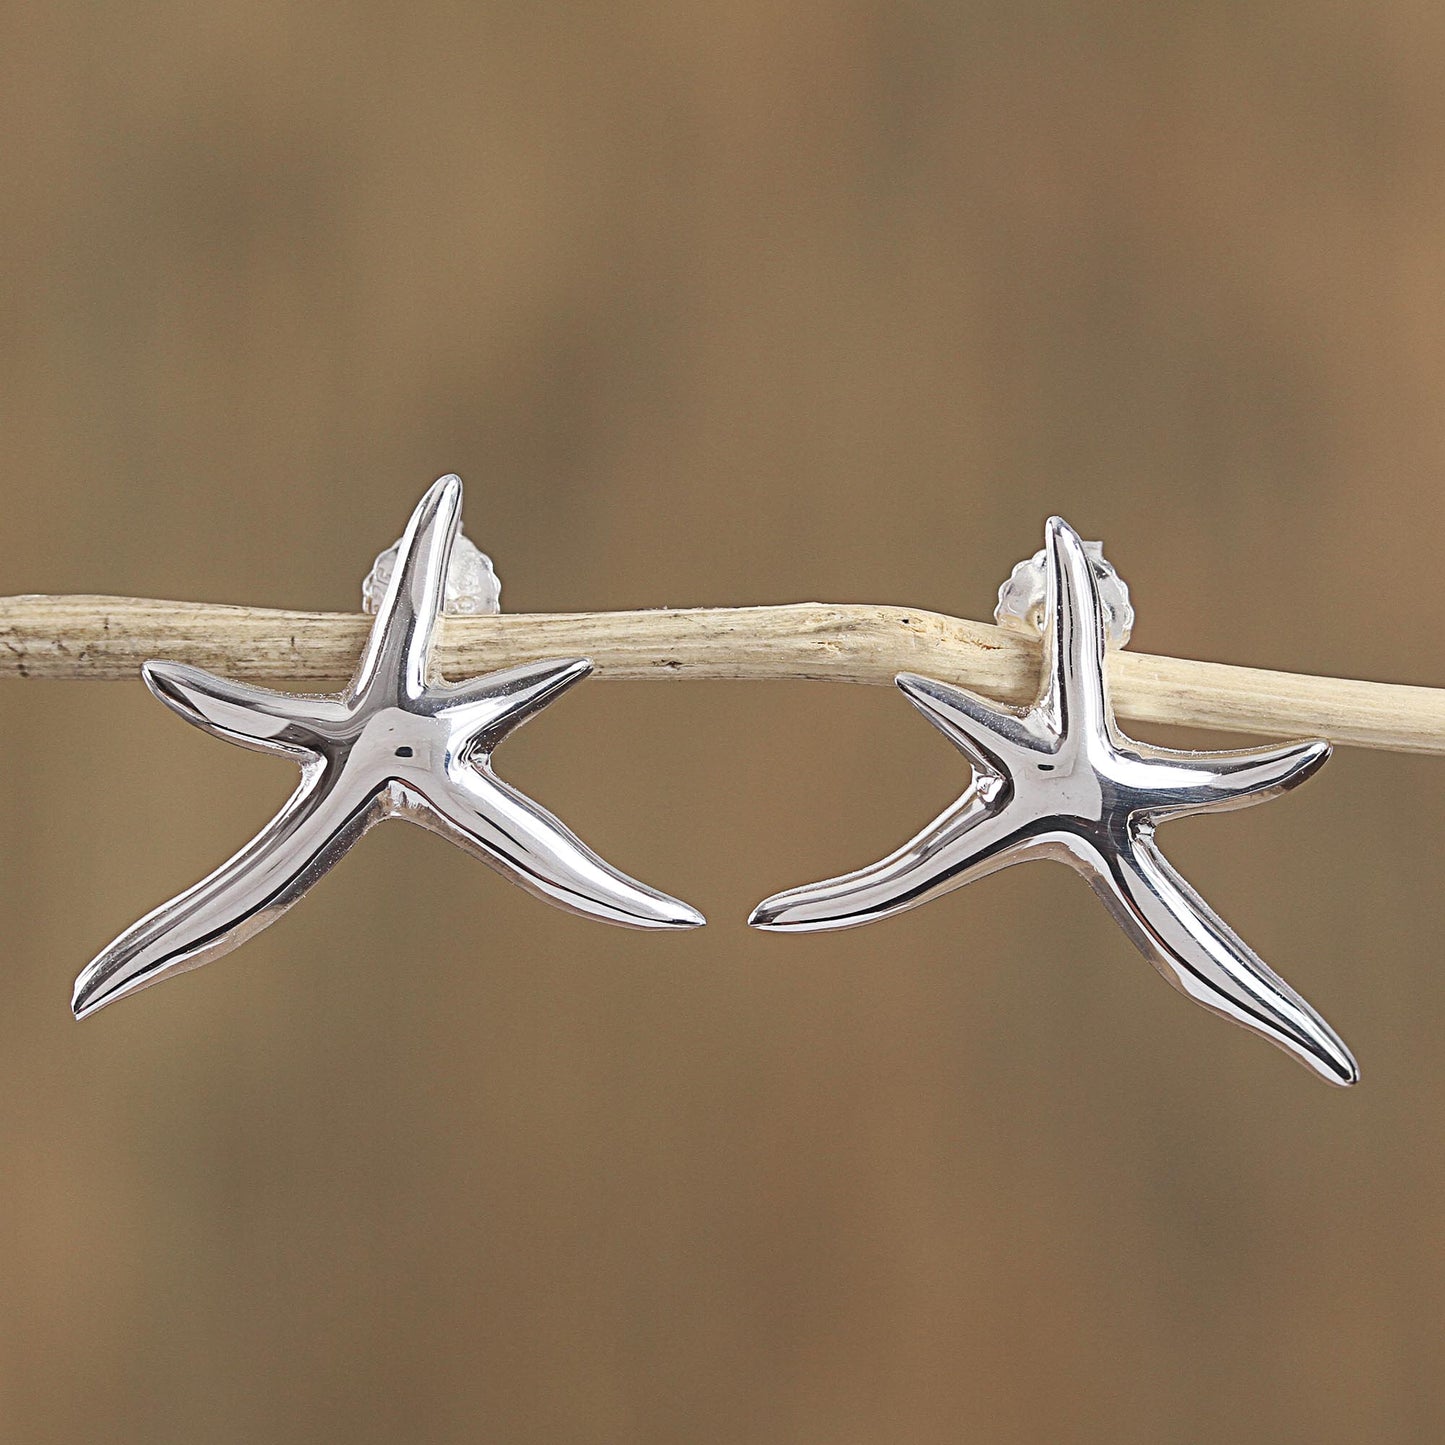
x,y
109,637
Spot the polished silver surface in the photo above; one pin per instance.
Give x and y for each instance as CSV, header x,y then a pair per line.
x,y
393,744
472,586
1024,596
1061,781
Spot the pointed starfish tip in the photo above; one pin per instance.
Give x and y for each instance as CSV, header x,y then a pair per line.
x,y
438,513
168,681
763,916
653,911
1334,1063
1314,754
1058,534
924,692
90,996
788,913
446,488
529,688
158,674
684,915
574,668
554,676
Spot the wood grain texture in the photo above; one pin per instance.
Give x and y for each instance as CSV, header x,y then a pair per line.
x,y
107,638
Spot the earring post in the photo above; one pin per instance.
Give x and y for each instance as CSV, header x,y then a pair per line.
x,y
108,638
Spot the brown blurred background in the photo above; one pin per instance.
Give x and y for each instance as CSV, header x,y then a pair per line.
x,y
721,304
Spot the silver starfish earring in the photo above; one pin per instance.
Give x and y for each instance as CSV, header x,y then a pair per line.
x,y
1061,781
392,745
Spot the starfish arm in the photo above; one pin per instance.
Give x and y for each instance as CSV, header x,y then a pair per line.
x,y
1221,782
486,709
988,737
1075,695
492,821
1203,957
252,889
399,649
255,717
969,840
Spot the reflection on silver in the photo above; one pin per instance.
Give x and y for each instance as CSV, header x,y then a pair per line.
x,y
391,745
472,587
1022,598
1061,781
